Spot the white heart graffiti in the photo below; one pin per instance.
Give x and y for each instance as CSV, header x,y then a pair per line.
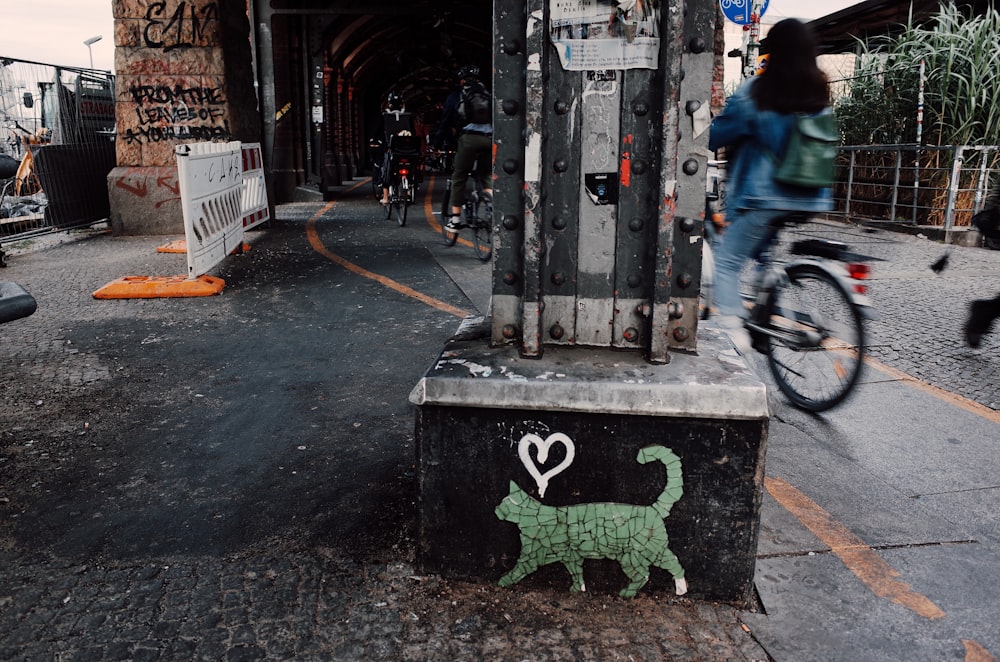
x,y
543,445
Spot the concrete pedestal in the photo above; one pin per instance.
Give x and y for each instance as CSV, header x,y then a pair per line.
x,y
569,430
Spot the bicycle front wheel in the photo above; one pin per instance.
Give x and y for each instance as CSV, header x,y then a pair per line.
x,y
815,339
392,196
483,243
450,237
377,182
482,207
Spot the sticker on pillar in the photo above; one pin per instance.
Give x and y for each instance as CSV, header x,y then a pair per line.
x,y
602,76
605,34
602,187
634,536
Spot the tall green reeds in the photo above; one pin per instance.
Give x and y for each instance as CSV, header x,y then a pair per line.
x,y
961,90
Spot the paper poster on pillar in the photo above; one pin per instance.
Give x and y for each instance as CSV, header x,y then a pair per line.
x,y
605,34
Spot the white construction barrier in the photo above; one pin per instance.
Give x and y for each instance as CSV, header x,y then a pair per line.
x,y
211,183
255,208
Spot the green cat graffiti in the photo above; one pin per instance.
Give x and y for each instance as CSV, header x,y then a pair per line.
x,y
635,536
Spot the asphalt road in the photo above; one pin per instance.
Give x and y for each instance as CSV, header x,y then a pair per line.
x,y
232,477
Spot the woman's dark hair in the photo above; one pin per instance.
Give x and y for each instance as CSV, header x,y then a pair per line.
x,y
791,83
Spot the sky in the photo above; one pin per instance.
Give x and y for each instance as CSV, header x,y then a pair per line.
x,y
53,31
801,9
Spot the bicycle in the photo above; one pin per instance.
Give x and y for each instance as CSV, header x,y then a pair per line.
x,y
807,317
404,176
477,214
441,160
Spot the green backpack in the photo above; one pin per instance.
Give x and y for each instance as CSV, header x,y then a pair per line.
x,y
812,149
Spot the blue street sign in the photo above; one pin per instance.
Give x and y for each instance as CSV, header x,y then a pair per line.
x,y
739,11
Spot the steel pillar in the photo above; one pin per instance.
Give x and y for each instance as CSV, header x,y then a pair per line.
x,y
600,183
533,444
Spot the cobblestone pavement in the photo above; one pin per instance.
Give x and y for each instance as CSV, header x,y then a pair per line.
x,y
314,607
113,546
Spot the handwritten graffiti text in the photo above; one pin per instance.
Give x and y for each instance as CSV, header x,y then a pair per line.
x,y
155,134
185,27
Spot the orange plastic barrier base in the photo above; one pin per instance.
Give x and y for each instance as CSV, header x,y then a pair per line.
x,y
180,246
153,287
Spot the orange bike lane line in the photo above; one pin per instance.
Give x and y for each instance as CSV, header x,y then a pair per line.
x,y
859,558
863,561
313,236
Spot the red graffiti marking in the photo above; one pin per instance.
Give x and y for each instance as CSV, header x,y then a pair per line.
x,y
626,167
139,189
164,182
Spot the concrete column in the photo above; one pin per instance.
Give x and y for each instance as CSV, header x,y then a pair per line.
x,y
184,74
568,431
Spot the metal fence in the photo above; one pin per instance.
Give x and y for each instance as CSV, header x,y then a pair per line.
x,y
58,128
915,185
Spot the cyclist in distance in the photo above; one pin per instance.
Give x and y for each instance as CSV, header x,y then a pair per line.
x,y
467,111
393,121
754,127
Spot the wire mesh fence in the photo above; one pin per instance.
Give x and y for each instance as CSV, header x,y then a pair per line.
x,y
58,129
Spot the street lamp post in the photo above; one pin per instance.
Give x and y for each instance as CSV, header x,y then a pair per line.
x,y
88,43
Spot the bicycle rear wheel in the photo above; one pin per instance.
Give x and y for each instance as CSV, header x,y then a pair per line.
x,y
815,339
402,201
449,237
483,230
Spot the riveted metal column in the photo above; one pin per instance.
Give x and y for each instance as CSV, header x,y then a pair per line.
x,y
509,191
535,170
689,63
639,182
566,136
598,204
600,187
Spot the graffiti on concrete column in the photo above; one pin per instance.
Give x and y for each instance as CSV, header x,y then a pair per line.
x,y
165,106
179,25
634,536
542,447
178,111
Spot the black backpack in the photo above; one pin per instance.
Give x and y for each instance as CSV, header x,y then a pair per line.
x,y
476,104
395,121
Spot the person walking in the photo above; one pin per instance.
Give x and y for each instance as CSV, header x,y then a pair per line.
x,y
984,312
754,129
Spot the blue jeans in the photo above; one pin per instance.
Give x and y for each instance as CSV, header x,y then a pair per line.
x,y
749,231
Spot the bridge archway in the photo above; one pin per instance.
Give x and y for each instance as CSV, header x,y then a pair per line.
x,y
324,70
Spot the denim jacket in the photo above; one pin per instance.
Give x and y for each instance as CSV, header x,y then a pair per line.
x,y
756,136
